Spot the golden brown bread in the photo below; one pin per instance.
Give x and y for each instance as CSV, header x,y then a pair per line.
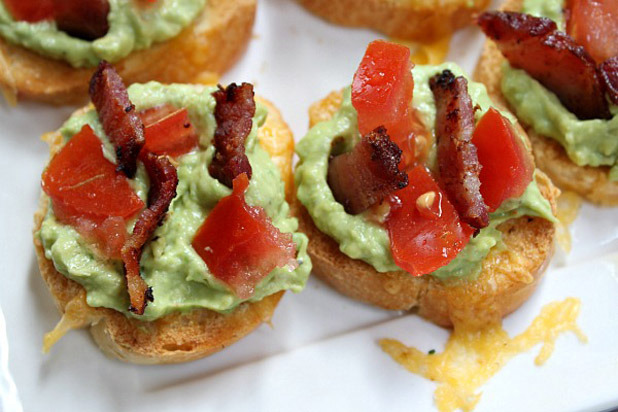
x,y
420,20
591,183
212,43
507,279
175,337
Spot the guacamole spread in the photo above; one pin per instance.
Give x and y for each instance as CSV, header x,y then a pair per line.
x,y
587,142
133,25
360,237
179,278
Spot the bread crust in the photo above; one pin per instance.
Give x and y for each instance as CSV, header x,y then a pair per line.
x,y
507,279
212,43
420,20
178,337
592,183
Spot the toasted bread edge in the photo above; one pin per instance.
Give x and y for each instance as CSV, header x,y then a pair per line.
x,y
423,21
210,44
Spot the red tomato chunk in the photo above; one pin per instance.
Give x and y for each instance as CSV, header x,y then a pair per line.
x,y
86,183
382,93
594,25
88,193
239,243
506,165
424,229
31,11
173,135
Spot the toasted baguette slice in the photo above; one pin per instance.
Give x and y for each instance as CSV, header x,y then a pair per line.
x,y
507,279
211,44
420,20
592,183
176,337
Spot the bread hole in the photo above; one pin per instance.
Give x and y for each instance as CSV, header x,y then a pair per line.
x,y
172,347
392,286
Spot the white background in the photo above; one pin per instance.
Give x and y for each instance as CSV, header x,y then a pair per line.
x,y
322,352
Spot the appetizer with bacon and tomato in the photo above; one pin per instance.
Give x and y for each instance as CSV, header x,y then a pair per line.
x,y
555,63
420,193
50,48
164,223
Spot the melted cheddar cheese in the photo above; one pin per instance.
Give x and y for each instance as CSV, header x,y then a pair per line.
x,y
568,207
427,53
77,314
471,357
207,78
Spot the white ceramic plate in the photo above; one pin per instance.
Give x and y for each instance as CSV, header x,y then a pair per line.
x,y
322,352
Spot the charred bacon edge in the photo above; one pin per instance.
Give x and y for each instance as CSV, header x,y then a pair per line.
x,y
368,174
457,159
163,183
234,115
121,123
521,38
86,20
608,71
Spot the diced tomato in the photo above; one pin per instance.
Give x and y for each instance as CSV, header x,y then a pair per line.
x,y
30,10
109,236
594,25
426,233
168,133
156,113
506,165
382,94
239,243
83,183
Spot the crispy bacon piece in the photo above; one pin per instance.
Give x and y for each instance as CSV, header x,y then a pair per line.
x,y
163,182
550,56
457,159
368,174
234,114
122,125
82,19
608,70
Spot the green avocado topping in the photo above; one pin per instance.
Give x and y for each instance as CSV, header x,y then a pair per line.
x,y
179,278
551,9
361,238
587,142
131,27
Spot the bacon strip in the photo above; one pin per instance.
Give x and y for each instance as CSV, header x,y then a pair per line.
x,y
457,159
550,56
82,19
368,174
234,114
122,125
608,70
163,182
